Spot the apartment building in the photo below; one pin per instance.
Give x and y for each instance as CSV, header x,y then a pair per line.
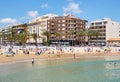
x,y
59,28
38,26
107,29
19,28
3,39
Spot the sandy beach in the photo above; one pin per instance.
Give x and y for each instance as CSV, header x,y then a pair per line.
x,y
76,53
112,55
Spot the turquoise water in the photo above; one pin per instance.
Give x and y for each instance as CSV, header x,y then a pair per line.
x,y
68,70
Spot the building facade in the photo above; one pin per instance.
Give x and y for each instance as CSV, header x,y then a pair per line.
x,y
60,27
3,32
38,26
107,29
11,30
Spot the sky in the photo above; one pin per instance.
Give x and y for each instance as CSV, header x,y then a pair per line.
x,y
21,11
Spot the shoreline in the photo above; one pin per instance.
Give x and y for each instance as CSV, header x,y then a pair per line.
x,y
25,60
54,57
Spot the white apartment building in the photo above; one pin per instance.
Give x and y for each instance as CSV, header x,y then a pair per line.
x,y
39,25
4,30
19,28
107,29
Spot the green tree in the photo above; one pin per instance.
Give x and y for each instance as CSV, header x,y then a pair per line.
x,y
22,38
81,33
96,34
88,34
11,35
35,36
47,34
9,38
57,34
71,34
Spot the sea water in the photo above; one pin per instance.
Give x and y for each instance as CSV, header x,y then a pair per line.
x,y
61,70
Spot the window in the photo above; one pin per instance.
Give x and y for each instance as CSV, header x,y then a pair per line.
x,y
63,28
59,21
105,23
99,24
63,36
63,24
52,23
92,23
58,28
52,37
63,20
75,25
58,24
74,21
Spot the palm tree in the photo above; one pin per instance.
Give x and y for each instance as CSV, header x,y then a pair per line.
x,y
47,34
81,33
9,38
96,34
57,34
88,34
22,38
11,35
71,34
43,40
35,36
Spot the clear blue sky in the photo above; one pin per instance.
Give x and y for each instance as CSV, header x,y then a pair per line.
x,y
21,11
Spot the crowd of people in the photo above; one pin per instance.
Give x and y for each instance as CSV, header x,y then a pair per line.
x,y
38,50
31,52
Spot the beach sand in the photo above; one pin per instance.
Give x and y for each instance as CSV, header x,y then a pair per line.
x,y
66,54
